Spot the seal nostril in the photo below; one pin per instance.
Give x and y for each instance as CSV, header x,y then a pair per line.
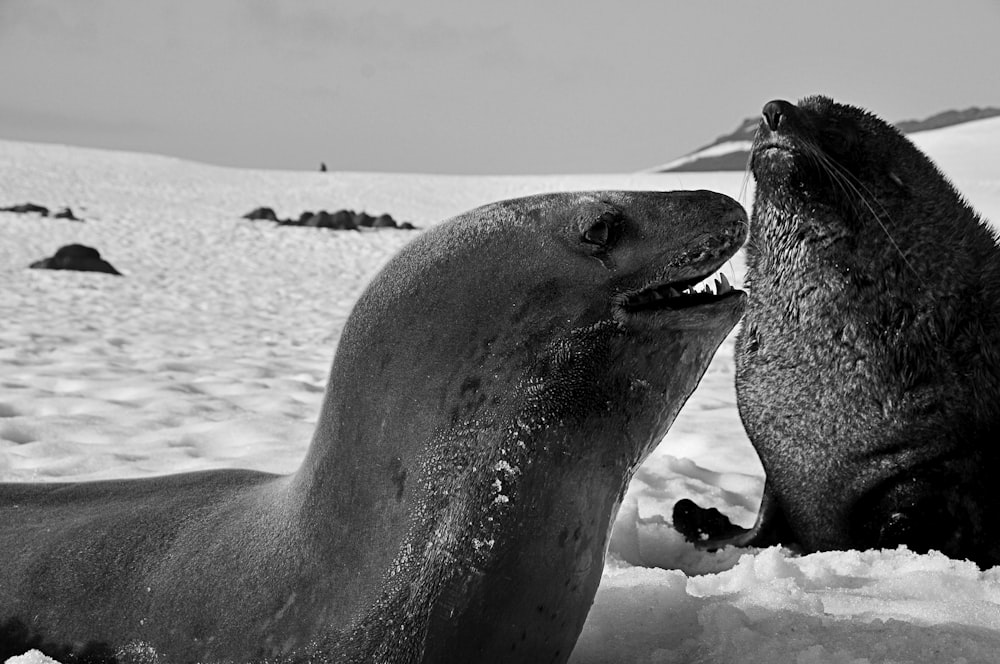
x,y
773,113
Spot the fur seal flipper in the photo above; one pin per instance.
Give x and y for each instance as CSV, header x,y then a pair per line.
x,y
710,529
494,389
868,364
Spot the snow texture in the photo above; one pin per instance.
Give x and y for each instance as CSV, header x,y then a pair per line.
x,y
212,352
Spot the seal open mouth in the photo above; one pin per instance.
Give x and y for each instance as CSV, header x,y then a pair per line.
x,y
680,294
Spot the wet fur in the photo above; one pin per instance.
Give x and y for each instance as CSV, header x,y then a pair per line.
x,y
868,364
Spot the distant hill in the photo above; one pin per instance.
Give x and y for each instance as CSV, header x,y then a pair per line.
x,y
947,119
731,151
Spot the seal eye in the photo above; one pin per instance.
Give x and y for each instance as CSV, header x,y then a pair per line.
x,y
838,140
602,231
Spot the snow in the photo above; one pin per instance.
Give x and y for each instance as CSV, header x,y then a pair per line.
x,y
969,152
213,351
31,657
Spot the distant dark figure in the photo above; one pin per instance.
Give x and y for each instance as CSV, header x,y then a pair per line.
x,y
261,214
76,257
25,208
322,167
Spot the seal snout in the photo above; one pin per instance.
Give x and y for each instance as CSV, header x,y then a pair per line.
x,y
779,135
775,113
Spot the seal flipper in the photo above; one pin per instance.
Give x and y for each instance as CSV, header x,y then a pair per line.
x,y
701,525
710,530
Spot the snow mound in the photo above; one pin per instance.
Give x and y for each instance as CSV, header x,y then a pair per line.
x,y
827,608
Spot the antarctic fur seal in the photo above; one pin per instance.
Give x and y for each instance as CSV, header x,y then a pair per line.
x,y
494,389
868,363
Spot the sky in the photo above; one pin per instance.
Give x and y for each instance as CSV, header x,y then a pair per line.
x,y
469,86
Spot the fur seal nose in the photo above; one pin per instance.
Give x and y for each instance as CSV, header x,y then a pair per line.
x,y
774,111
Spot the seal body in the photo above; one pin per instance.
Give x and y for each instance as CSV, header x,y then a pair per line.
x,y
493,391
868,365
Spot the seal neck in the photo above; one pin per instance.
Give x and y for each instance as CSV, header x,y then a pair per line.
x,y
489,572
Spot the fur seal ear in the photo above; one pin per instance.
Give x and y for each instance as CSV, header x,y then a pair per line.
x,y
898,181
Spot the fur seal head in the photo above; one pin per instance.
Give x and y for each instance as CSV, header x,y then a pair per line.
x,y
868,364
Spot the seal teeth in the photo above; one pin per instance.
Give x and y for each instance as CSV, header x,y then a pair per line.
x,y
724,285
679,295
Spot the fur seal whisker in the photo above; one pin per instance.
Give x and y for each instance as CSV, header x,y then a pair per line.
x,y
855,192
745,183
848,180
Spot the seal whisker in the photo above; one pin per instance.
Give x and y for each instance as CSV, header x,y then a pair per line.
x,y
847,179
856,193
742,196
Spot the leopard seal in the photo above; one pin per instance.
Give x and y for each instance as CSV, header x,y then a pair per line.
x,y
868,364
494,389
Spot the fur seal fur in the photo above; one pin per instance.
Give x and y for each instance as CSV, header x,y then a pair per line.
x,y
868,364
493,391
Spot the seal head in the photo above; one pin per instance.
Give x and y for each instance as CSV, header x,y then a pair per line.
x,y
555,338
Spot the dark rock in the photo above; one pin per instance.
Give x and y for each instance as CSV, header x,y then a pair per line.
x,y
76,257
321,219
343,220
66,213
25,208
407,226
261,214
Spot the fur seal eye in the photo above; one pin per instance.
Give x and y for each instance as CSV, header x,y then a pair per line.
x,y
837,140
603,231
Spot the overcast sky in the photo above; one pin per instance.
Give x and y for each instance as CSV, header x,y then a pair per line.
x,y
468,86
